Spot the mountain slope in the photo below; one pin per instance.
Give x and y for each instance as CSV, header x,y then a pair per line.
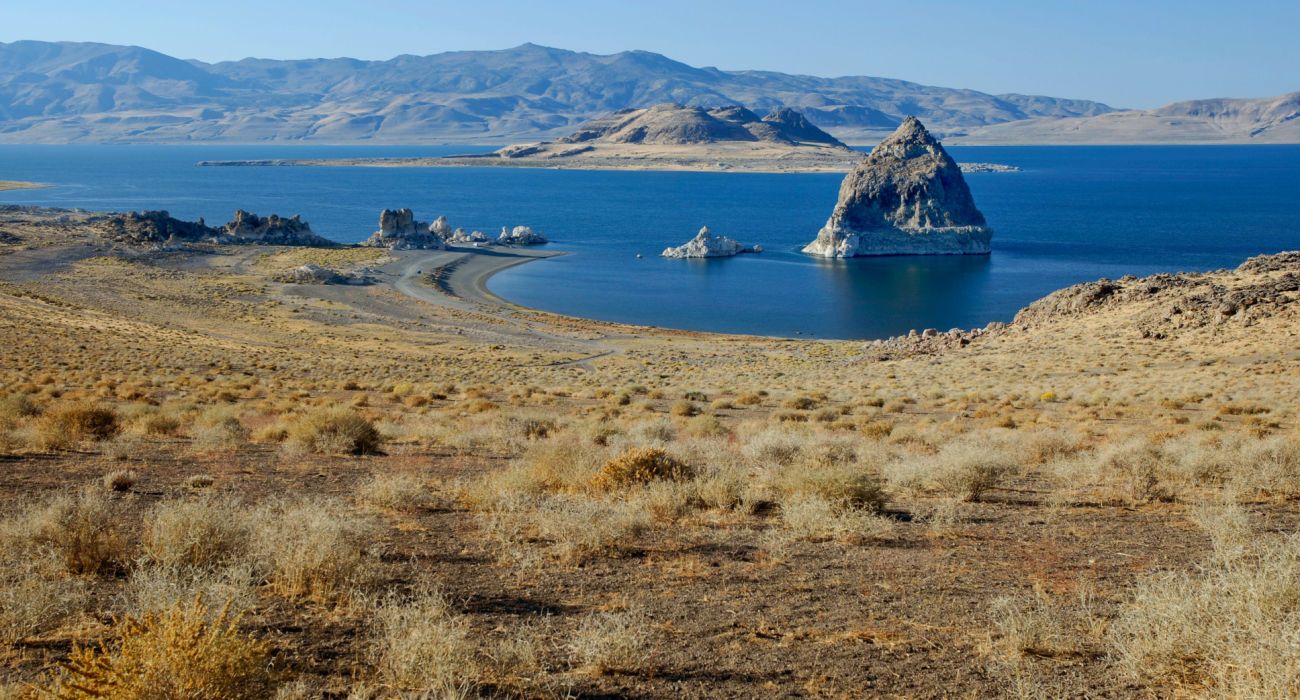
x,y
1266,120
59,92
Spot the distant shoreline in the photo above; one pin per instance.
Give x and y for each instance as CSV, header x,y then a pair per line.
x,y
590,164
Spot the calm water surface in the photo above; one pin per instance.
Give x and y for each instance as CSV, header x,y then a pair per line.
x,y
1074,214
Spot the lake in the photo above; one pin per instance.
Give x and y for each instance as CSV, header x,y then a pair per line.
x,y
1073,214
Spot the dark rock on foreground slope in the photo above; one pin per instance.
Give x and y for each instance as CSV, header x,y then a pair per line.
x,y
907,197
160,227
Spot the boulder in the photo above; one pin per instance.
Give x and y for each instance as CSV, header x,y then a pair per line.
x,y
709,245
907,197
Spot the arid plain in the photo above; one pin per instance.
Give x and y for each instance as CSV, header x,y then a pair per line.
x,y
216,477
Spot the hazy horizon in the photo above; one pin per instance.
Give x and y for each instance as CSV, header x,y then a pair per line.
x,y
1105,51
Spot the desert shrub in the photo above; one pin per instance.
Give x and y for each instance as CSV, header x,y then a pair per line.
x,y
160,587
1034,625
1136,466
66,426
684,408
641,465
574,529
218,429
120,480
34,596
183,652
15,407
967,467
705,427
157,423
661,431
749,399
421,646
800,403
394,492
81,529
200,533
774,446
813,518
844,485
876,429
611,641
334,431
1228,630
1271,466
310,548
563,464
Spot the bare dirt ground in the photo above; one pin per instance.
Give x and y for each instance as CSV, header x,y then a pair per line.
x,y
937,593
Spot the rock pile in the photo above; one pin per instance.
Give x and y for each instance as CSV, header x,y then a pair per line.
x,y
709,245
315,274
908,197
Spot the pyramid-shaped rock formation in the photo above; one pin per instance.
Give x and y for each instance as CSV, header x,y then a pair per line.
x,y
908,197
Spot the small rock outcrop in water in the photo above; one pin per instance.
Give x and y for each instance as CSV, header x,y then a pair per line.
x,y
272,230
520,235
908,197
709,245
399,230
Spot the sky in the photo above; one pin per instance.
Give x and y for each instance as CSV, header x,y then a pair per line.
x,y
1133,53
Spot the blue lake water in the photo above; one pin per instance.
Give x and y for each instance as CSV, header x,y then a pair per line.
x,y
1074,214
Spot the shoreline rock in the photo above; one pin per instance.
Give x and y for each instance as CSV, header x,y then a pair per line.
x,y
709,245
161,228
907,197
520,235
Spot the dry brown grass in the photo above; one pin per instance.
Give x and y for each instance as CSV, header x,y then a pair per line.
x,y
641,465
81,529
181,653
333,431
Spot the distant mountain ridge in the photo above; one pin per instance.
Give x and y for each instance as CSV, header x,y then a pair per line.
x,y
1264,120
63,92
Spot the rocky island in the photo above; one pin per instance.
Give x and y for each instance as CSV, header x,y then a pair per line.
x,y
907,197
709,245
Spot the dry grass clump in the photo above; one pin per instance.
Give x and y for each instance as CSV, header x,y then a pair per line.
x,y
612,641
67,426
562,465
311,548
120,480
15,407
333,431
1227,631
199,533
218,429
81,529
641,465
422,647
573,529
183,652
812,518
34,596
966,467
394,492
684,408
1037,626
158,587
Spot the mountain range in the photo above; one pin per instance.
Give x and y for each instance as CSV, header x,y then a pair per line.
x,y
58,92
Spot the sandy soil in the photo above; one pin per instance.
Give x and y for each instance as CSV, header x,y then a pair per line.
x,y
18,185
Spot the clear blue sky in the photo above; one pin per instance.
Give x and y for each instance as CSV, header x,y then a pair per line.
x,y
1133,53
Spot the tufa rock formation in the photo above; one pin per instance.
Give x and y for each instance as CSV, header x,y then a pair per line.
x,y
709,245
399,230
160,228
272,230
520,235
908,197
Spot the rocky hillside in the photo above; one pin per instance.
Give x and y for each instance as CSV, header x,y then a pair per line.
x,y
1268,120
675,124
1167,303
60,92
